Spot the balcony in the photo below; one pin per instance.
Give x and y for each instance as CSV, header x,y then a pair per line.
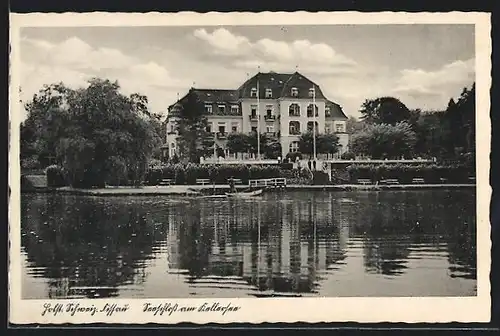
x,y
270,117
294,132
253,117
221,135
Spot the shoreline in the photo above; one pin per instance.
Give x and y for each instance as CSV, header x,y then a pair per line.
x,y
197,190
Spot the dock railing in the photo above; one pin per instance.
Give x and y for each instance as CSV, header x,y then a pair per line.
x,y
279,182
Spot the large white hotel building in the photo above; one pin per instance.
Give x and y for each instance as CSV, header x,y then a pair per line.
x,y
285,104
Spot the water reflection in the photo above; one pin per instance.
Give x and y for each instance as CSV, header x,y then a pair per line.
x,y
288,244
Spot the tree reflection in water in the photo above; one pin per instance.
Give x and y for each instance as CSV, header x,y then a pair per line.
x,y
86,247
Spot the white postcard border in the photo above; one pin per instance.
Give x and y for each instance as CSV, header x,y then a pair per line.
x,y
252,310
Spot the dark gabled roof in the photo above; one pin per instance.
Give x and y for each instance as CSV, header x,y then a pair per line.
x,y
336,111
217,95
269,80
281,84
208,96
303,84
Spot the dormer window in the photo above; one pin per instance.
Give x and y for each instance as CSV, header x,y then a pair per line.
x,y
235,109
222,109
269,93
295,92
311,92
253,92
208,108
327,111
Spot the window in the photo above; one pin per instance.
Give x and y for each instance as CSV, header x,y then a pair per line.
x,y
269,93
208,108
269,128
294,127
269,111
311,92
234,127
254,129
209,128
310,110
253,111
339,128
328,129
172,149
235,109
294,110
222,108
295,92
310,126
222,129
327,111
294,146
253,92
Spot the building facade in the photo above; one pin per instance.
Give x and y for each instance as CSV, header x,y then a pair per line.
x,y
276,104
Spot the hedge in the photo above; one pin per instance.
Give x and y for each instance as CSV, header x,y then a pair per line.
x,y
56,176
219,174
405,173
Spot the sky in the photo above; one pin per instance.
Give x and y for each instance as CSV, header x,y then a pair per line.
x,y
422,65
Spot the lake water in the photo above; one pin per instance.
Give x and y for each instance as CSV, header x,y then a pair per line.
x,y
363,243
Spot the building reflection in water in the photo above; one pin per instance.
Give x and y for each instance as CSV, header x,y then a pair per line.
x,y
277,248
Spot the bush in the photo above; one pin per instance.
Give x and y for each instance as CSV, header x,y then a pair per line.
x,y
292,156
405,173
457,174
219,174
320,178
56,176
348,156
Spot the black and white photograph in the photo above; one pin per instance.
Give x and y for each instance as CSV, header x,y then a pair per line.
x,y
216,161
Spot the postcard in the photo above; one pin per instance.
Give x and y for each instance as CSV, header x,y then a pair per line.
x,y
249,167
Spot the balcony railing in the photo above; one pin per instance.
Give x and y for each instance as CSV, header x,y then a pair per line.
x,y
294,132
294,114
221,135
253,117
270,117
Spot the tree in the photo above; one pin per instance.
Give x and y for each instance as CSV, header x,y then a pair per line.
x,y
354,125
328,143
325,143
238,143
272,148
97,134
158,135
193,140
385,141
432,134
385,110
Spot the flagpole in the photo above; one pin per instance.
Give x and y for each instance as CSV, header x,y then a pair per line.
x,y
258,118
314,124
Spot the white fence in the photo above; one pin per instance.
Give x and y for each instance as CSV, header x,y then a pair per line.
x,y
265,183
